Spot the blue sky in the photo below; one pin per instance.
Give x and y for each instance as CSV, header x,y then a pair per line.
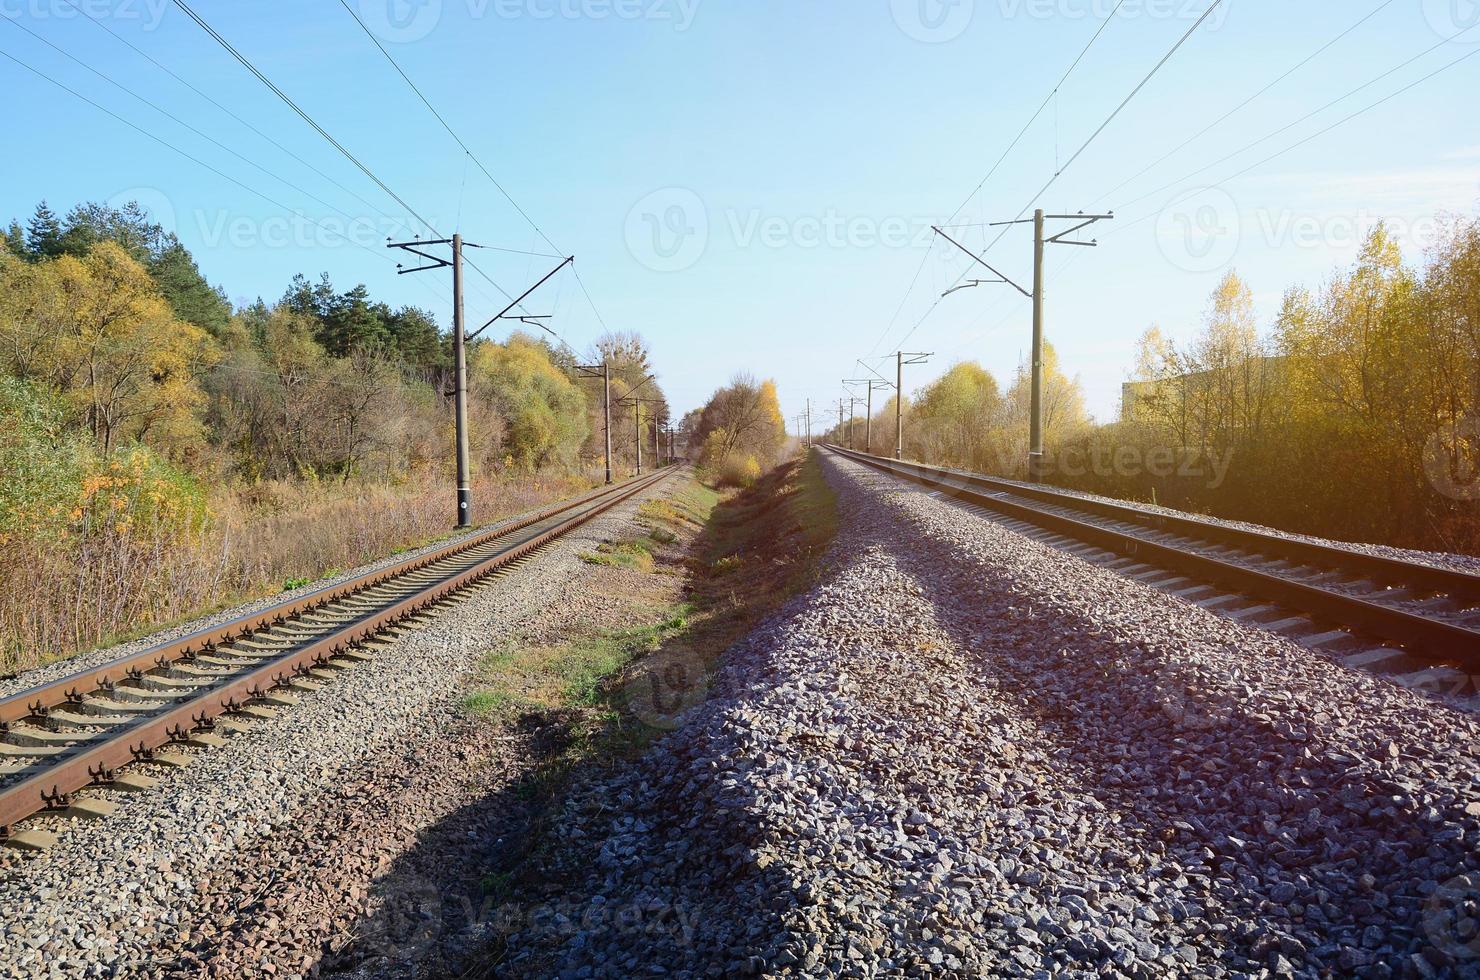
x,y
751,185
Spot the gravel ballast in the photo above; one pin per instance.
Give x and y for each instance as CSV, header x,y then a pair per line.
x,y
967,753
141,892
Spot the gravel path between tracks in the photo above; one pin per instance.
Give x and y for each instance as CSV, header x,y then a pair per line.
x,y
146,892
966,753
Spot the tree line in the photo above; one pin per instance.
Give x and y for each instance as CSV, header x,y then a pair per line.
x,y
1355,414
150,427
106,314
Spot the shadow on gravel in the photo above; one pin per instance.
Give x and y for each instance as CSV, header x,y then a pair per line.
x,y
560,868
447,885
1309,845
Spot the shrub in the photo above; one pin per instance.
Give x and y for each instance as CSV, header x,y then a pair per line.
x,y
739,471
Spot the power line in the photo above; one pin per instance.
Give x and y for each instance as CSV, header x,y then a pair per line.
x,y
1340,122
1216,122
1015,140
1316,112
1084,146
147,57
1043,105
171,116
246,63
193,159
1142,84
470,155
425,101
580,282
166,144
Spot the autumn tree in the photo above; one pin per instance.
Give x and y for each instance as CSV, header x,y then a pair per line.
x,y
740,429
96,330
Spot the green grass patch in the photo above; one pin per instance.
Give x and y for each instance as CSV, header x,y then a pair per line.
x,y
635,554
574,675
295,583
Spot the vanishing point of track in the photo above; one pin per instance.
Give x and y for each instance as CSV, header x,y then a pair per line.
x,y
80,731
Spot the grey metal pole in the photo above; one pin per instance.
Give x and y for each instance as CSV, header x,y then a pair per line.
x,y
899,405
840,420
637,429
460,389
606,401
1035,409
868,426
657,448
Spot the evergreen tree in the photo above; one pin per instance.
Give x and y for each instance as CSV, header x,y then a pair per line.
x,y
15,240
415,337
43,234
352,325
192,298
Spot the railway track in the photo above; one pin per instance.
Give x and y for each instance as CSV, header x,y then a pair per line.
x,y
100,727
1417,621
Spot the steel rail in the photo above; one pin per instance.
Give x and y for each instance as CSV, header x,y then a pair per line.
x,y
1463,586
51,788
35,701
1432,638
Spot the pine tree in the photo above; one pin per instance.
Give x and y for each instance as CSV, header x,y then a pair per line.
x,y
43,234
15,240
192,298
352,325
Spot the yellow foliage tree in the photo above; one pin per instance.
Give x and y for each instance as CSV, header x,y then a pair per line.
x,y
96,330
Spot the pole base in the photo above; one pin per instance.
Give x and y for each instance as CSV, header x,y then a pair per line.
x,y
464,507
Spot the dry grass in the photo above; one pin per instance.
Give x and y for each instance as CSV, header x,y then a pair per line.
x,y
104,587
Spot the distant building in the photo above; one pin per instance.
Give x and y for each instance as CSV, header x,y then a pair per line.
x,y
1136,397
